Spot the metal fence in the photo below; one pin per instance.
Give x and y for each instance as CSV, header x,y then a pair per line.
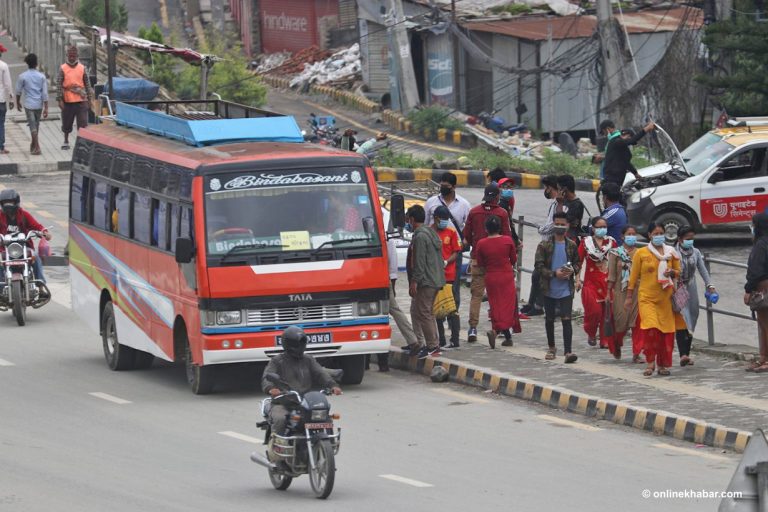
x,y
708,260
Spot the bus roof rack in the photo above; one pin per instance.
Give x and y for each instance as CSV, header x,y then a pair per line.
x,y
217,122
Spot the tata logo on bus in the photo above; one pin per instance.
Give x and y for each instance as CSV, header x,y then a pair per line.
x,y
285,23
281,180
300,297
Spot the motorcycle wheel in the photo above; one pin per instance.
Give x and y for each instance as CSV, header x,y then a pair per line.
x,y
19,309
279,481
321,477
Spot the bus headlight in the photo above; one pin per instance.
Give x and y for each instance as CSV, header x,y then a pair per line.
x,y
642,194
228,317
368,308
15,251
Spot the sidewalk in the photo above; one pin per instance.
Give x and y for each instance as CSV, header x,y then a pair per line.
x,y
17,137
714,402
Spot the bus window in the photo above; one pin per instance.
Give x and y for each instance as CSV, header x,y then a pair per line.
x,y
175,218
161,224
81,156
102,160
79,198
123,209
187,229
142,214
101,211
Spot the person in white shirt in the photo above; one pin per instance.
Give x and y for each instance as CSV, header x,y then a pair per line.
x,y
6,98
459,209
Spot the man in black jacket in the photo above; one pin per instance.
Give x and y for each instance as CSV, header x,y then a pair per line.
x,y
617,160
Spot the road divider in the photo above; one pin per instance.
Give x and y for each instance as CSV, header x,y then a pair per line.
x,y
109,398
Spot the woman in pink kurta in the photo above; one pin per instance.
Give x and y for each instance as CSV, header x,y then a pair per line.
x,y
497,255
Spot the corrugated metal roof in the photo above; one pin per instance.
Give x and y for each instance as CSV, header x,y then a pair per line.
x,y
536,28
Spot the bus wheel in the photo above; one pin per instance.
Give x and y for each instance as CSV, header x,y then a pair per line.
x,y
672,222
118,356
354,369
200,378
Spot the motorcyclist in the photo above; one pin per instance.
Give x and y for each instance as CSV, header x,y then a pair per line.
x,y
14,219
301,373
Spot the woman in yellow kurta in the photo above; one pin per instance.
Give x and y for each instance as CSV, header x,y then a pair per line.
x,y
654,270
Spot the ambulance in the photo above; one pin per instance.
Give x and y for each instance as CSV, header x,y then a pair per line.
x,y
717,183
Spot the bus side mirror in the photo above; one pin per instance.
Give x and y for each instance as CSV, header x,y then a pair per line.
x,y
184,250
369,226
717,176
397,211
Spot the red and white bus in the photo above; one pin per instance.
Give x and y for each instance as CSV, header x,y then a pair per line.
x,y
203,249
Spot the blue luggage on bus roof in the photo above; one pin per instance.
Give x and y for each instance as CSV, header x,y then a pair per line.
x,y
211,131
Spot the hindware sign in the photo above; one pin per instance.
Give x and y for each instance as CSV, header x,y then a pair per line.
x,y
284,22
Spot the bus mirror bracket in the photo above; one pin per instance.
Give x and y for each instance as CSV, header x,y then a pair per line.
x,y
397,211
184,250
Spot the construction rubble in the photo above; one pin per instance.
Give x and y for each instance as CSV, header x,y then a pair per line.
x,y
523,144
341,69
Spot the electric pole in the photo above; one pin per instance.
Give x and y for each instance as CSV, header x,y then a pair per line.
x,y
110,53
409,92
616,73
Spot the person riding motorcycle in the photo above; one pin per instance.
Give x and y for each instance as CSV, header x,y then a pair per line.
x,y
302,373
14,219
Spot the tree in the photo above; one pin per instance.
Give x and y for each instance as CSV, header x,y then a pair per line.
x,y
739,50
91,12
161,68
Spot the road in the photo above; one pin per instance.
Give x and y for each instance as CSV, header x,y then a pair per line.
x,y
168,14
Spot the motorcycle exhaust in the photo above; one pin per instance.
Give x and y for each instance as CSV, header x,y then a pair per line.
x,y
262,461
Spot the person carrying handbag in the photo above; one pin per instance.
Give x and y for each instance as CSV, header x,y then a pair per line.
x,y
756,288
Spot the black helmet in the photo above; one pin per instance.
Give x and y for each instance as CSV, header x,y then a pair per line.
x,y
294,341
9,200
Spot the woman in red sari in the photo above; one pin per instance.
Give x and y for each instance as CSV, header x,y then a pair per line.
x,y
594,250
497,255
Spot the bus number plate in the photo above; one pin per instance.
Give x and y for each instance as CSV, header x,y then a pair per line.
x,y
315,338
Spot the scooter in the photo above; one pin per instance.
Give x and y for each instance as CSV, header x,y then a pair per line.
x,y
20,288
308,446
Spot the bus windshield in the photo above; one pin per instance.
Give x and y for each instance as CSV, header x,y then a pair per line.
x,y
278,211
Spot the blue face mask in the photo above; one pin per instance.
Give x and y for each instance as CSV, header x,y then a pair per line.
x,y
601,232
507,193
630,240
658,240
687,244
408,227
443,224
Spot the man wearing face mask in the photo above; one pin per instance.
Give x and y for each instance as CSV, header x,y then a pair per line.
x,y
13,219
301,373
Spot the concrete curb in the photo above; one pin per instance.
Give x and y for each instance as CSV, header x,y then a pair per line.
x,y
34,167
472,177
621,413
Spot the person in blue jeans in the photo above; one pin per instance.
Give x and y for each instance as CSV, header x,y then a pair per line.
x,y
34,86
6,98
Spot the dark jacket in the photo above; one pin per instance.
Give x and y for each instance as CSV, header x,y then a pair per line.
x,y
575,216
757,265
301,375
474,228
543,262
618,158
425,258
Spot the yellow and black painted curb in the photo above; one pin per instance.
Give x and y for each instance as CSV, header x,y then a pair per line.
x,y
470,178
621,413
397,121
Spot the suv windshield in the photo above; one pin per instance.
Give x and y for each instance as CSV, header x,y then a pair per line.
x,y
700,155
277,211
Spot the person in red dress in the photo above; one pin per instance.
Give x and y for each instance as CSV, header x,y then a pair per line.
x,y
497,255
594,250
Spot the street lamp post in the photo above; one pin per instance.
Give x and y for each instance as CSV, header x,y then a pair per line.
x,y
110,60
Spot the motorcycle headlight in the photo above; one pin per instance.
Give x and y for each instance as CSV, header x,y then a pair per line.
x,y
15,251
319,415
228,317
368,308
642,194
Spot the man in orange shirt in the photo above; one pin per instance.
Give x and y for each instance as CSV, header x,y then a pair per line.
x,y
74,94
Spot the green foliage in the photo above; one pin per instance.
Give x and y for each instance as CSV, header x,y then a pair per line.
x,y
512,8
551,162
741,84
91,12
433,118
389,158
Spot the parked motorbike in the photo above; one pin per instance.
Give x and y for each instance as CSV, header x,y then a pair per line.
x,y
20,289
499,124
308,446
323,129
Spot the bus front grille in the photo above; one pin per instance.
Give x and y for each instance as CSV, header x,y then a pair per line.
x,y
297,314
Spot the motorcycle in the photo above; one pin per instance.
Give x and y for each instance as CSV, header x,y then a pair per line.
x,y
308,446
21,289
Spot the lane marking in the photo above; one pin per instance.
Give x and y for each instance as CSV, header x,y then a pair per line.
x,y
568,423
242,437
462,396
406,481
689,451
47,215
63,223
110,398
4,362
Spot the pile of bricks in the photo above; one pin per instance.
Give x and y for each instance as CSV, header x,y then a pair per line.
x,y
296,63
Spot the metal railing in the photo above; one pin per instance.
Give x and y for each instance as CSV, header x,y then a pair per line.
x,y
708,261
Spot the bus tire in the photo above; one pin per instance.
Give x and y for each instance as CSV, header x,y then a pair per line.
x,y
143,360
672,222
354,369
200,378
118,356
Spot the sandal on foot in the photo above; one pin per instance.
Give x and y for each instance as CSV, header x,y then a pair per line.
x,y
685,361
754,365
649,371
550,354
571,358
636,359
65,147
617,353
592,342
763,368
663,372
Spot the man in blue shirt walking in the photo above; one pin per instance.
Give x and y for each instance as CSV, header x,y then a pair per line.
x,y
34,86
614,214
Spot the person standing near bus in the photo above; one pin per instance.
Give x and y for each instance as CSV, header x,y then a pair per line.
x,y
74,94
34,86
